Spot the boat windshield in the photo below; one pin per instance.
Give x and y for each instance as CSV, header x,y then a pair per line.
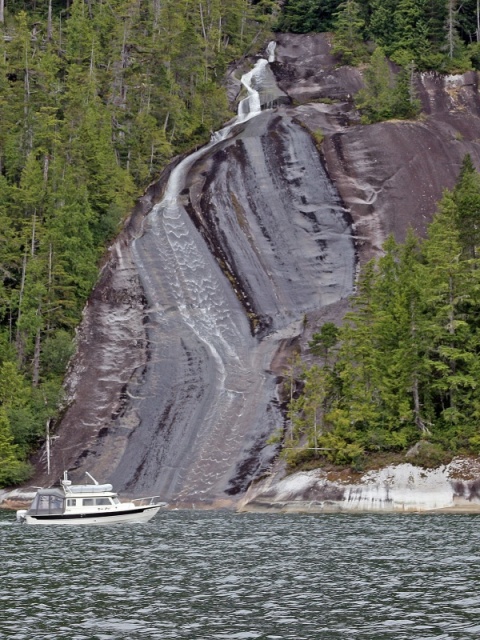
x,y
47,502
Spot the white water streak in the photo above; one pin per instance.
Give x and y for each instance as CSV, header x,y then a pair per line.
x,y
188,258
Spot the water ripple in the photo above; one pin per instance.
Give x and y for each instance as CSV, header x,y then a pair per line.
x,y
208,575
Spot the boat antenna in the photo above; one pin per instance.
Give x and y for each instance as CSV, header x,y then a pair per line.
x,y
91,477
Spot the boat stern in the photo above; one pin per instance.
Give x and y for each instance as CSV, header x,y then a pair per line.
x,y
21,515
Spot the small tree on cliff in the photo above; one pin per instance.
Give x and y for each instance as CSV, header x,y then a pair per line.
x,y
384,95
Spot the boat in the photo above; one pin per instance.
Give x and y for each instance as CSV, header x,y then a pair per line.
x,y
86,504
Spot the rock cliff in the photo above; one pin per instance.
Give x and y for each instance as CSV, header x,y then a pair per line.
x,y
390,175
162,398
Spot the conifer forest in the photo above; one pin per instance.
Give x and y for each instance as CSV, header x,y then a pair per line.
x,y
96,98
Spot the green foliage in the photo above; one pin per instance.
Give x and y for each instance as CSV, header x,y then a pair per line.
x,y
405,369
12,470
323,340
385,95
466,196
429,455
302,16
318,136
57,351
93,105
433,34
349,33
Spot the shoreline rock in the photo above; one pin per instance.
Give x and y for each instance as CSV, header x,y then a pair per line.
x,y
403,488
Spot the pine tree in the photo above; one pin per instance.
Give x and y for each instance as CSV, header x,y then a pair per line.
x,y
12,470
467,199
348,33
385,95
412,34
449,289
302,16
381,27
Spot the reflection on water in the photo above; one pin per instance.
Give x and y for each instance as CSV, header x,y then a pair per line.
x,y
207,575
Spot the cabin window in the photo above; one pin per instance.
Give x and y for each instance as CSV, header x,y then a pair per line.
x,y
102,501
88,502
43,503
71,502
46,504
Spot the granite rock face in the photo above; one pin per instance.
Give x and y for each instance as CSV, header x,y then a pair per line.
x,y
391,174
174,390
204,296
453,488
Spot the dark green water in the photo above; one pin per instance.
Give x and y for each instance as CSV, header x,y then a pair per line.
x,y
209,575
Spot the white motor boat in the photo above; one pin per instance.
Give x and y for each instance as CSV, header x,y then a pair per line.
x,y
86,504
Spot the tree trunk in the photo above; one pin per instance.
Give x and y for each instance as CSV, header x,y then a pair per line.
x,y
36,357
46,163
2,11
49,21
416,407
451,27
26,98
91,62
419,423
478,20
156,13
34,221
451,330
19,337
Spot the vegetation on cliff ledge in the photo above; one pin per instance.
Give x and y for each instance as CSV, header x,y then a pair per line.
x,y
442,35
404,369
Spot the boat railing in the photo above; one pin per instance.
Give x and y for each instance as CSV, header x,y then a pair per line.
x,y
150,500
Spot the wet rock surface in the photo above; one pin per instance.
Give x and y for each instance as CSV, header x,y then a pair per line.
x,y
174,390
390,175
249,237
229,268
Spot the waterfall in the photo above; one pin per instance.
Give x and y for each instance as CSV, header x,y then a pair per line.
x,y
271,51
189,296
200,412
250,106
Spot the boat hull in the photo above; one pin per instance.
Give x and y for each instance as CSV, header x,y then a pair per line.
x,y
138,514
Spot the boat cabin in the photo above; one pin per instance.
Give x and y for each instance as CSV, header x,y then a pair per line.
x,y
73,498
48,502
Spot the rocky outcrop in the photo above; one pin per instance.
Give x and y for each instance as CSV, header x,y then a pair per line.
x,y
391,174
111,353
174,387
404,488
186,336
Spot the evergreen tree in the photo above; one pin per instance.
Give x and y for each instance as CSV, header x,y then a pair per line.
x,y
349,33
95,98
385,95
381,27
302,16
12,470
406,366
467,200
